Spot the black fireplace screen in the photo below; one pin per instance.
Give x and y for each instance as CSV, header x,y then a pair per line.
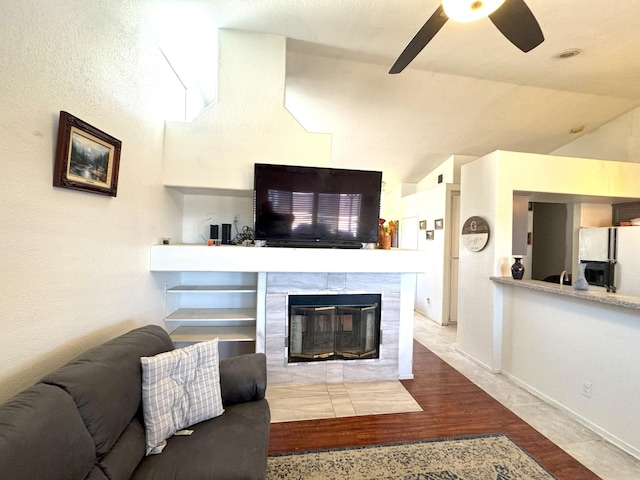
x,y
331,327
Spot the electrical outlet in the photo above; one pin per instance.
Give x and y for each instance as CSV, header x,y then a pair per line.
x,y
236,217
587,388
211,217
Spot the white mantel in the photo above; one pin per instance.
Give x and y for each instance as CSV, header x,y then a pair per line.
x,y
230,258
284,271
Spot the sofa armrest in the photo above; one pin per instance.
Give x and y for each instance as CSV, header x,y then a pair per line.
x,y
243,378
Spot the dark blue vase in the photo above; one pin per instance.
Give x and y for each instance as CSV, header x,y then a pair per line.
x,y
517,269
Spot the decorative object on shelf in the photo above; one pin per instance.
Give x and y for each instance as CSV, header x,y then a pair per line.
x,y
87,159
394,235
438,224
581,282
430,234
423,224
475,233
517,269
386,233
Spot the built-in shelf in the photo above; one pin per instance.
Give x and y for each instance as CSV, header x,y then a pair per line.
x,y
212,315
192,334
197,312
212,289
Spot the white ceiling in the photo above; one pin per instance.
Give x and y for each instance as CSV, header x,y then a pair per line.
x,y
469,92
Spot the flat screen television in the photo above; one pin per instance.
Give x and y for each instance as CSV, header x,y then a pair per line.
x,y
315,206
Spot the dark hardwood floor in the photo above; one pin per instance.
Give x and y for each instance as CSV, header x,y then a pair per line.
x,y
453,406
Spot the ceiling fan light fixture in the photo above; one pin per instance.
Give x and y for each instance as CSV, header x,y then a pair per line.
x,y
470,10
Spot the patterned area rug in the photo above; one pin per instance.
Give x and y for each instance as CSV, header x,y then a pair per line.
x,y
486,457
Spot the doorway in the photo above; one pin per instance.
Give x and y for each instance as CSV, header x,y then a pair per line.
x,y
551,251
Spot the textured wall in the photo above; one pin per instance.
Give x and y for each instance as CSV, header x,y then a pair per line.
x,y
247,124
75,265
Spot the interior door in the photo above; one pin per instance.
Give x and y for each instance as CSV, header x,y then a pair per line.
x,y
455,252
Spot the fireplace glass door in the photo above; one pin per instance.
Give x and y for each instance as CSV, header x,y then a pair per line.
x,y
330,327
313,332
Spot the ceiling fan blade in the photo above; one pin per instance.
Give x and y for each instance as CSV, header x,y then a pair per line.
x,y
516,22
420,40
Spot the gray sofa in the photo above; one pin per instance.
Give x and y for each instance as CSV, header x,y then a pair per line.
x,y
84,421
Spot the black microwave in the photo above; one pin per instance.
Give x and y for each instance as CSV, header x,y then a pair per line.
x,y
600,273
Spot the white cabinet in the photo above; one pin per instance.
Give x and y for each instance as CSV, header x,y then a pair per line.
x,y
208,305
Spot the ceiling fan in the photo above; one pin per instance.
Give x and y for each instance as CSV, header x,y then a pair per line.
x,y
512,17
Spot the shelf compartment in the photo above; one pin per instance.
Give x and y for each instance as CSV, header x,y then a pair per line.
x,y
201,334
212,315
212,289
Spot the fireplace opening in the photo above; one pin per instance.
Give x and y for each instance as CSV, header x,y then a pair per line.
x,y
334,327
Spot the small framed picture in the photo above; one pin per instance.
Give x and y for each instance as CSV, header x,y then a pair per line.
x,y
86,158
423,224
437,224
429,234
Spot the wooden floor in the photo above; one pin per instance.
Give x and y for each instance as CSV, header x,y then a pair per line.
x,y
453,406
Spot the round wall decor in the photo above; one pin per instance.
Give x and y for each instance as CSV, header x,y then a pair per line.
x,y
475,233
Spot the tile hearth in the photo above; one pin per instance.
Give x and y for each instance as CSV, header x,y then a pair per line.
x,y
333,400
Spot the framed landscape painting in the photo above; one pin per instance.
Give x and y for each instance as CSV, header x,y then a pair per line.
x,y
87,159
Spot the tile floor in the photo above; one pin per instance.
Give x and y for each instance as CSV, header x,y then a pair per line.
x,y
338,400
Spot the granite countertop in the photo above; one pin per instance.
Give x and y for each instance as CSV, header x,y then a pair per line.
x,y
568,291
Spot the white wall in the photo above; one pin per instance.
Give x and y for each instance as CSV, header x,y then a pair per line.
x,y
487,191
75,266
553,343
618,139
201,211
431,201
431,205
247,124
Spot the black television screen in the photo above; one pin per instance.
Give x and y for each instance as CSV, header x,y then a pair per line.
x,y
307,205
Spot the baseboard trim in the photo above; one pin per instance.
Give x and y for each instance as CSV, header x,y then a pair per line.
x,y
476,361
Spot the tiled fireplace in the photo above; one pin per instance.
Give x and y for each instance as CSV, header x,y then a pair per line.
x,y
351,304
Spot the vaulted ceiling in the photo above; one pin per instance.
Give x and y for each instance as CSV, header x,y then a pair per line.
x,y
468,92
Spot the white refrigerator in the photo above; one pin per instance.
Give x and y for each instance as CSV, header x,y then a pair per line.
x,y
618,247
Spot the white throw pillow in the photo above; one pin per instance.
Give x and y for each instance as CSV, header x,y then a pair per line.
x,y
179,388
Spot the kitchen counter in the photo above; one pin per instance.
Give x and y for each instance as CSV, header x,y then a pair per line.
x,y
567,290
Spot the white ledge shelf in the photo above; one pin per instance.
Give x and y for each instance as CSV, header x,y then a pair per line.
x,y
568,291
247,315
212,289
202,334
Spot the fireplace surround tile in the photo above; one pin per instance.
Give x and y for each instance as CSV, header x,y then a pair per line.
x,y
280,285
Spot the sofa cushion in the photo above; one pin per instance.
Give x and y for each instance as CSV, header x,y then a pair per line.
x,y
243,378
120,462
179,389
106,382
43,436
231,446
